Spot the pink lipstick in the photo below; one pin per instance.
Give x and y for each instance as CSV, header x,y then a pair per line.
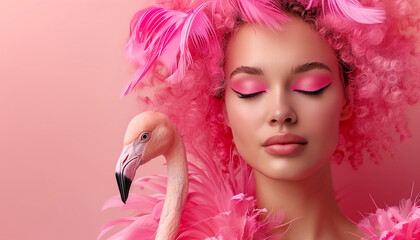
x,y
283,144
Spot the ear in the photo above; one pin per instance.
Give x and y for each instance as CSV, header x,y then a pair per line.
x,y
346,111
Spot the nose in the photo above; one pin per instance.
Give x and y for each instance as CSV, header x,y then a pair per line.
x,y
283,118
282,112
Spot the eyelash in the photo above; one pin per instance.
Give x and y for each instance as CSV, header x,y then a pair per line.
x,y
313,93
241,95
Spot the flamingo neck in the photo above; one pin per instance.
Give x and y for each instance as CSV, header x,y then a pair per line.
x,y
176,192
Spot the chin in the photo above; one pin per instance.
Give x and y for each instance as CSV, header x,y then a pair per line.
x,y
289,169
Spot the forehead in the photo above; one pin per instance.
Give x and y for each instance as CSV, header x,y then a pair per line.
x,y
278,51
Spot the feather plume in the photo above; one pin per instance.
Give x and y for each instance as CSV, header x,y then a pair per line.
x,y
262,12
397,223
197,29
163,35
353,10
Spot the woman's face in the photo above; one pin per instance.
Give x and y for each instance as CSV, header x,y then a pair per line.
x,y
284,99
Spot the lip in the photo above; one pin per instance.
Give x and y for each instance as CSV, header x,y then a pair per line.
x,y
284,144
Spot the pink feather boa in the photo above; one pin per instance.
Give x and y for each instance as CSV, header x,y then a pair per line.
x,y
393,223
221,205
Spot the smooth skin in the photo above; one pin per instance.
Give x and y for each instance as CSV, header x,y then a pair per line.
x,y
299,184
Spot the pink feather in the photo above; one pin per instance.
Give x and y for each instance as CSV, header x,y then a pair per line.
x,y
105,228
393,223
262,12
353,10
151,30
197,29
163,35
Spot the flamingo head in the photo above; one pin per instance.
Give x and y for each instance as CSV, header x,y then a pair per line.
x,y
149,134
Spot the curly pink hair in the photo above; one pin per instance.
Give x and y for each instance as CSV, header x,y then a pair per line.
x,y
377,56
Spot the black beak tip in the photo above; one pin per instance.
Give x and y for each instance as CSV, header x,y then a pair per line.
x,y
124,184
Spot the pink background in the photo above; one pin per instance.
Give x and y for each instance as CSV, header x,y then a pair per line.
x,y
62,122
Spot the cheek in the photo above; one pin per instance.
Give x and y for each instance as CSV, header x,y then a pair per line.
x,y
323,119
323,122
244,118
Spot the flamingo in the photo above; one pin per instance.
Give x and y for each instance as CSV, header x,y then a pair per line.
x,y
149,135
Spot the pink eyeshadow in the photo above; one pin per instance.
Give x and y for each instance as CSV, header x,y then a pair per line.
x,y
248,86
311,83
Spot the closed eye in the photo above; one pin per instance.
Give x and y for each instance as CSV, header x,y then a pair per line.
x,y
241,95
317,92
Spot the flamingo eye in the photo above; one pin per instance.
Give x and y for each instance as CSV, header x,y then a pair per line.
x,y
144,137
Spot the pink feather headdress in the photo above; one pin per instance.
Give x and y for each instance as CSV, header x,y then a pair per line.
x,y
163,35
171,37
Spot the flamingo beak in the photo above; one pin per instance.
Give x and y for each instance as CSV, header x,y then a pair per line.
x,y
129,161
124,184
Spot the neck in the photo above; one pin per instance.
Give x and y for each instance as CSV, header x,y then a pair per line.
x,y
176,191
309,205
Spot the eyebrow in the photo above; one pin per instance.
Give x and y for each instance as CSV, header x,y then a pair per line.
x,y
310,66
248,70
298,69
